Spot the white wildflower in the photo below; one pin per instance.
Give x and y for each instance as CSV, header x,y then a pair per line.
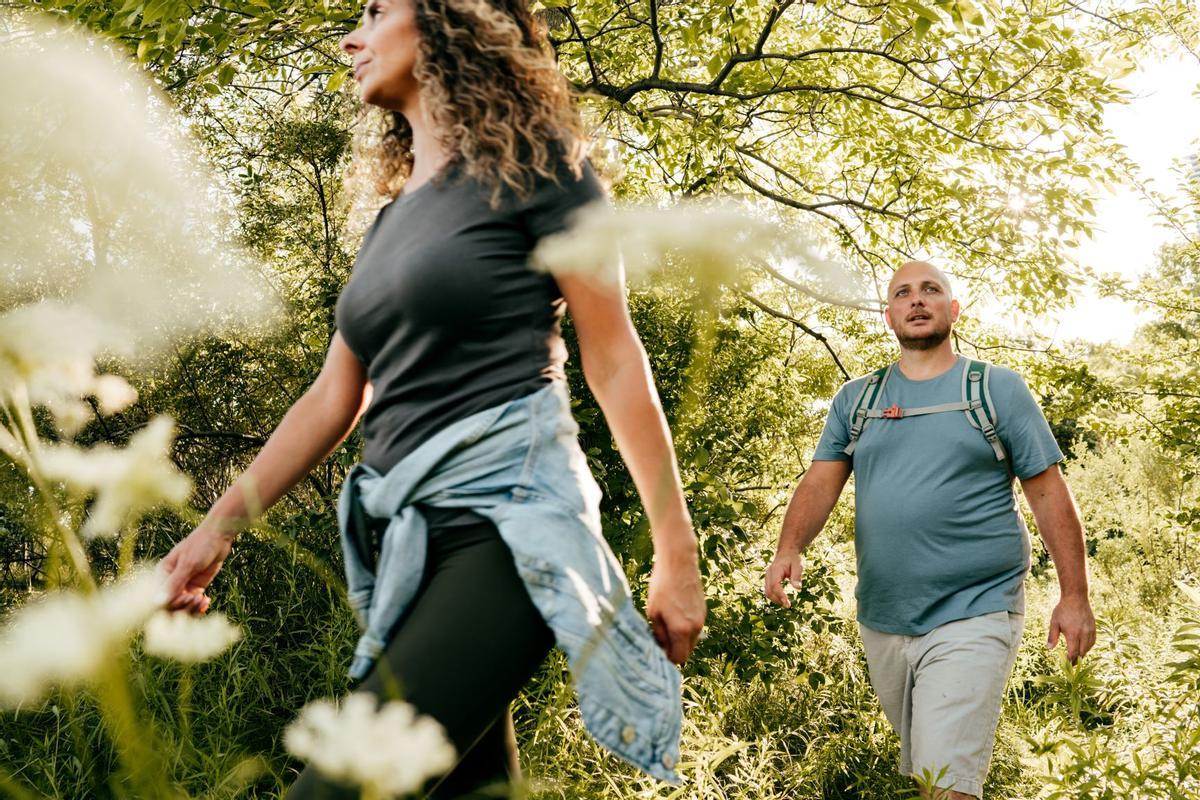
x,y
113,394
49,348
123,606
66,638
188,638
116,211
127,482
715,240
390,750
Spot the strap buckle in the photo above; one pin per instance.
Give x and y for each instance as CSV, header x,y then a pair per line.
x,y
893,412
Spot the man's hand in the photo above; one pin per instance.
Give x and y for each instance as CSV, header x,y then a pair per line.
x,y
675,605
807,511
785,567
1073,619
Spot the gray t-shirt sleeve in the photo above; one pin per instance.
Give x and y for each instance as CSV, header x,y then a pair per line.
x,y
551,206
1021,425
836,435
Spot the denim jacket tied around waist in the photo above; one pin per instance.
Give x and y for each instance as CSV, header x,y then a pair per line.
x,y
520,466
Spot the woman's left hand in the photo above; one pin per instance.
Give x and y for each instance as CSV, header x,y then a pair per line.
x,y
675,604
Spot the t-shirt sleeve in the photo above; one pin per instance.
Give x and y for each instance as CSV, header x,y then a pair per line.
x,y
550,206
1022,426
836,435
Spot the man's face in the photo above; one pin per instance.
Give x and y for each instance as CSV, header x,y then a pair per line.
x,y
920,309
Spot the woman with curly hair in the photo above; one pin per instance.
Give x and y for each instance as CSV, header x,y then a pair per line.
x,y
471,528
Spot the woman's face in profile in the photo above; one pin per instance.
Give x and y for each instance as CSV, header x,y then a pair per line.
x,y
384,52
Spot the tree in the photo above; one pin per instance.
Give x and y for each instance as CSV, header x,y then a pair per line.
x,y
969,131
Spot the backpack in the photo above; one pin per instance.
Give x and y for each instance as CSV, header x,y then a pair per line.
x,y
976,403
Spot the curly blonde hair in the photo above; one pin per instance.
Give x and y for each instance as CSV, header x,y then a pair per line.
x,y
497,101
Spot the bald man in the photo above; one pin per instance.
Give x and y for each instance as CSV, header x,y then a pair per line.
x,y
941,546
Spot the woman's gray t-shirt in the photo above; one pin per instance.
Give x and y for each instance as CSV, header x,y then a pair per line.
x,y
444,311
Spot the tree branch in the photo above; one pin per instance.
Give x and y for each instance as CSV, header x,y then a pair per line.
x,y
820,337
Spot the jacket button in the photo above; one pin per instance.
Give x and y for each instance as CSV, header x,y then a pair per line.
x,y
628,734
668,761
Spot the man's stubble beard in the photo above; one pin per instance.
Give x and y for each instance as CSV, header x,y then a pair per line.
x,y
926,342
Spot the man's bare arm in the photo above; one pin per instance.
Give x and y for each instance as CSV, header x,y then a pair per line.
x,y
1058,522
809,509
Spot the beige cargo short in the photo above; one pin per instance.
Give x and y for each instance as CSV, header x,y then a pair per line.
x,y
942,693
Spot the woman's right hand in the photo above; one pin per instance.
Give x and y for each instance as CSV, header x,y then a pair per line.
x,y
675,602
190,567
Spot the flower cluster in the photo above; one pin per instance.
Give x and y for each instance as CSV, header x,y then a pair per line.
x,y
113,213
715,240
187,638
48,352
389,751
66,639
127,482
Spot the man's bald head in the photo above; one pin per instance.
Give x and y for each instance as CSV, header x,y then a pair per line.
x,y
913,273
921,309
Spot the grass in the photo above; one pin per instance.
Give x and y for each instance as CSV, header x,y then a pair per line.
x,y
803,724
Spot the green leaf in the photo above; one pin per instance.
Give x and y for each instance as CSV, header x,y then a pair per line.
x,y
154,12
715,64
921,27
336,79
226,74
970,13
923,12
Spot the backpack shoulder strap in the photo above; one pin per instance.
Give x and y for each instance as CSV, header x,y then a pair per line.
x,y
867,400
981,411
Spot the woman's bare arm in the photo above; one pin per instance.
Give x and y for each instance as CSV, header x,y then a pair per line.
x,y
618,373
312,428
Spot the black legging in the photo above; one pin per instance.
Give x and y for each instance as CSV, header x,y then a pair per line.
x,y
469,643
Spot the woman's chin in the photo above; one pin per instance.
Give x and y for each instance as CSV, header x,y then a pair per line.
x,y
366,94
379,99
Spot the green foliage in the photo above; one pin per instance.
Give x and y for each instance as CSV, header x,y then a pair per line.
x,y
1156,753
900,128
211,47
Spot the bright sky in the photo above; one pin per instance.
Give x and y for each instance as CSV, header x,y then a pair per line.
x,y
1158,127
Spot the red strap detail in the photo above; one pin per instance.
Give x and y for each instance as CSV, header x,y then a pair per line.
x,y
893,412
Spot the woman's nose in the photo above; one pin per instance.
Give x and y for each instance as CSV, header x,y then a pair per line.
x,y
350,43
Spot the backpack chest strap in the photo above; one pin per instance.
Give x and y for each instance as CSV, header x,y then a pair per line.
x,y
976,403
895,412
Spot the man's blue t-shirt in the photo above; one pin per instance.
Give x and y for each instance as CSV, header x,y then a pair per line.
x,y
937,531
